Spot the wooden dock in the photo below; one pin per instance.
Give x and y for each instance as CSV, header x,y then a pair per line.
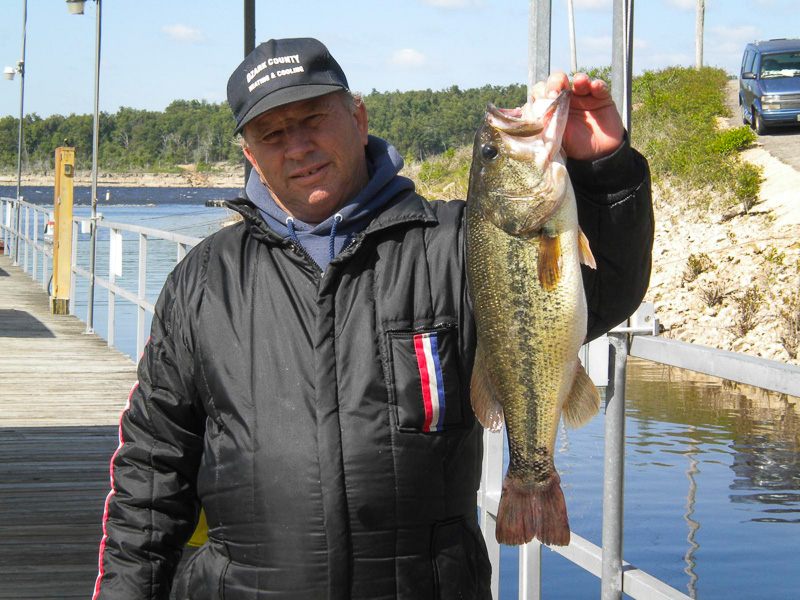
x,y
61,395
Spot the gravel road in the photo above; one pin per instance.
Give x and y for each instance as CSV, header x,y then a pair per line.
x,y
781,142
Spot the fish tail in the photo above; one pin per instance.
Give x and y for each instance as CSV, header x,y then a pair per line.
x,y
526,513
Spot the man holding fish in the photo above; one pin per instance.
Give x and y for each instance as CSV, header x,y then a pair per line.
x,y
311,370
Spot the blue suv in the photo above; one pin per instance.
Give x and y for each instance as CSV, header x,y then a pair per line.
x,y
769,84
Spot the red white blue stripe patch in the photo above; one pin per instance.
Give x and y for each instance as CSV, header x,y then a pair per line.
x,y
430,373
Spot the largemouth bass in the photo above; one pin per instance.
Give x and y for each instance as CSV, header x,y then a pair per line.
x,y
524,250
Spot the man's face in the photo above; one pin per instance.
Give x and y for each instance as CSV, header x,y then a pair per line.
x,y
310,154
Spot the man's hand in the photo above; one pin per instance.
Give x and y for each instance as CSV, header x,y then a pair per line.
x,y
594,128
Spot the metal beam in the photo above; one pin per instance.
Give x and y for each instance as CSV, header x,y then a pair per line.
x,y
539,42
750,370
249,46
622,59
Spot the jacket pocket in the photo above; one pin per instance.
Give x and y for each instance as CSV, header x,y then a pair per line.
x,y
461,565
204,574
424,379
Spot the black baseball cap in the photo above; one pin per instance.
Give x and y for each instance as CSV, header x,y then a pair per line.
x,y
280,72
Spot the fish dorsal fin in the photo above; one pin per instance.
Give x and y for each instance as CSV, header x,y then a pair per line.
x,y
549,262
583,401
584,251
485,403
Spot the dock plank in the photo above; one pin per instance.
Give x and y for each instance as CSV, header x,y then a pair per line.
x,y
61,395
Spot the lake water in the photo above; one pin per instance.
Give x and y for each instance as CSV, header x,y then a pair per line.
x,y
712,480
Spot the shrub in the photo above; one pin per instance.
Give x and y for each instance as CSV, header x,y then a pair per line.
x,y
748,304
696,264
733,140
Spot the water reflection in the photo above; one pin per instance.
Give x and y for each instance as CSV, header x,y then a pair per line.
x,y
693,525
739,447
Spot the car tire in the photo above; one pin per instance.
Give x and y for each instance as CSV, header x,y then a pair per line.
x,y
744,113
758,123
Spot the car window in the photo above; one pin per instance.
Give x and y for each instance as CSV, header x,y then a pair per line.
x,y
748,61
780,64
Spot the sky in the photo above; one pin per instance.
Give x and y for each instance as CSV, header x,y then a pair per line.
x,y
155,52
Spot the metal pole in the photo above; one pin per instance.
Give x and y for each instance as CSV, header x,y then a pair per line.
x,y
614,469
698,34
539,42
622,59
249,46
95,144
573,52
21,70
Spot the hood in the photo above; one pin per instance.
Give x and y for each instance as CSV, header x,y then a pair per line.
x,y
780,85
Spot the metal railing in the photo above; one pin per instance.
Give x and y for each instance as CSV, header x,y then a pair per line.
x,y
606,562
27,242
139,296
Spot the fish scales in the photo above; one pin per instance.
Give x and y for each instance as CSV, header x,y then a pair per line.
x,y
521,213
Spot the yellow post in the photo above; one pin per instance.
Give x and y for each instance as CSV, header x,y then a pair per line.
x,y
62,234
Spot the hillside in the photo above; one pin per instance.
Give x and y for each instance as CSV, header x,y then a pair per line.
x,y
732,283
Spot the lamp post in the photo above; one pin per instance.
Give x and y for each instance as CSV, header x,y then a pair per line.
x,y
9,73
75,7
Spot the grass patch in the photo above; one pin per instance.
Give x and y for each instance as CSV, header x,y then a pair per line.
x,y
675,127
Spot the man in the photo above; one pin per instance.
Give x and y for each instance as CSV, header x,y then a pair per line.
x,y
281,387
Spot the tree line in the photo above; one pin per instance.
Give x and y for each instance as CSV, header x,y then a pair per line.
x,y
419,123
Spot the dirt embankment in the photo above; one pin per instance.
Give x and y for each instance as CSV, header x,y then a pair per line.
x,y
733,283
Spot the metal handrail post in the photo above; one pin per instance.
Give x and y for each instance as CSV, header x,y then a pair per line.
x,y
491,486
614,469
530,570
35,240
112,278
141,295
26,238
73,294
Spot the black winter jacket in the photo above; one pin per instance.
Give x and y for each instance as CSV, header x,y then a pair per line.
x,y
290,406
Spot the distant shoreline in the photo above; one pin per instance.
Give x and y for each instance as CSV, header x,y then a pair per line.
x,y
225,176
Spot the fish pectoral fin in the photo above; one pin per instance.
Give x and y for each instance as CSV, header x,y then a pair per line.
x,y
549,262
583,401
484,400
584,251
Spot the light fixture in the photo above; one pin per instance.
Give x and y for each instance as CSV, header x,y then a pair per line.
x,y
75,7
9,73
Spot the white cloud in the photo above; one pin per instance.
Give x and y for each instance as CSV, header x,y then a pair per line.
x,y
722,39
595,44
592,4
408,58
683,4
182,33
453,3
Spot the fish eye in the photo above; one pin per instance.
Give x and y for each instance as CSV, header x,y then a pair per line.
x,y
489,151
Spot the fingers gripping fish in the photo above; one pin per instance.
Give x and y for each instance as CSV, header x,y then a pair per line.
x,y
524,250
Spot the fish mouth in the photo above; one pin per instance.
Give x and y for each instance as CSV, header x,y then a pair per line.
x,y
518,122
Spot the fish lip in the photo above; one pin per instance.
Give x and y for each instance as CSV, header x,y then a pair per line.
x,y
504,121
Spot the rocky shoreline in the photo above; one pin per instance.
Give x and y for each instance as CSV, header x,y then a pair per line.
x,y
732,283
222,175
